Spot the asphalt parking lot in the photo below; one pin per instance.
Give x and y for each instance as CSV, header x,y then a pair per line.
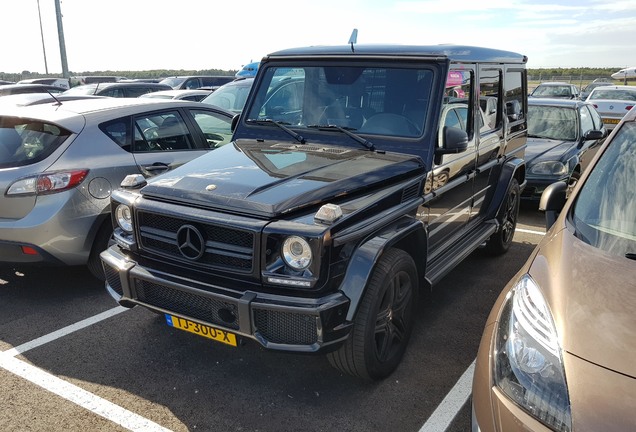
x,y
71,359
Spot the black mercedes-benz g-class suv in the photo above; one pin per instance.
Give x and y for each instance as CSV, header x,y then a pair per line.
x,y
356,179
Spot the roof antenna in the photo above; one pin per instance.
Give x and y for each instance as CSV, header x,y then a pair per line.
x,y
57,101
353,39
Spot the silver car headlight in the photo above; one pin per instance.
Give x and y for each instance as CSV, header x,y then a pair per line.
x,y
549,168
527,359
123,215
297,253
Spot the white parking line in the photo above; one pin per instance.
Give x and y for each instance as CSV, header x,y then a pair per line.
x,y
452,403
459,394
541,233
63,332
71,392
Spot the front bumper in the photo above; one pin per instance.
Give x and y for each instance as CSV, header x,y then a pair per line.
x,y
277,322
535,187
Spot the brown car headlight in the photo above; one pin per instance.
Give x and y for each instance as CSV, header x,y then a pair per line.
x,y
527,358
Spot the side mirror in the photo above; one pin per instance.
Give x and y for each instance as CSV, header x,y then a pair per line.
x,y
454,140
552,202
594,135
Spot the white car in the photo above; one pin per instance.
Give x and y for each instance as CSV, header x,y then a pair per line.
x,y
613,102
191,95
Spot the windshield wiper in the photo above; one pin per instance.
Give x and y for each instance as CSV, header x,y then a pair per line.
x,y
347,131
630,255
281,125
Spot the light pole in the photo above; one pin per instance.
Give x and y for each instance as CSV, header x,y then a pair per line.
x,y
60,34
46,67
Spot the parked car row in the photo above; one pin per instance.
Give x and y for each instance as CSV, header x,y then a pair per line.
x,y
611,101
318,208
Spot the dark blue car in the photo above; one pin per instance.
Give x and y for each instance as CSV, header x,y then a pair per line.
x,y
563,136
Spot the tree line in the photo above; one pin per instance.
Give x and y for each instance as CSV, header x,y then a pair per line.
x,y
151,74
163,73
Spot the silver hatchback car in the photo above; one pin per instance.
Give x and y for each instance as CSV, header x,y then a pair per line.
x,y
59,163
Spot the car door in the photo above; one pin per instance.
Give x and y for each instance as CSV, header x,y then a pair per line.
x,y
163,141
451,181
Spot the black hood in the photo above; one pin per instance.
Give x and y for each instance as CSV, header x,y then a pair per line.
x,y
540,149
269,179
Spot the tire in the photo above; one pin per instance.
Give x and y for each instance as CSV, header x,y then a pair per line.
x,y
500,241
101,243
384,321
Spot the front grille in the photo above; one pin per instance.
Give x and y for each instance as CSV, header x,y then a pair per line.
x,y
188,304
225,248
112,277
286,327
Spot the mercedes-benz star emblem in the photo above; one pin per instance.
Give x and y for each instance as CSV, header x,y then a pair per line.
x,y
190,242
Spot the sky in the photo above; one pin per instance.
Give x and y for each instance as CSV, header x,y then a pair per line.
x,y
137,35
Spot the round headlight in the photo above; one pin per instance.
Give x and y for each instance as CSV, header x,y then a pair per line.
x,y
124,217
297,253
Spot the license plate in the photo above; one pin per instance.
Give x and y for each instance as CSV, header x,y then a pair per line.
x,y
611,121
201,330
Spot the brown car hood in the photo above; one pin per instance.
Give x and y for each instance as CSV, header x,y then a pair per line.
x,y
592,296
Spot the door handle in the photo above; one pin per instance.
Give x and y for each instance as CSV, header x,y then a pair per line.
x,y
157,167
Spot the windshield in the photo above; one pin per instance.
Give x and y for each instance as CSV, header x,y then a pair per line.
x,y
172,82
605,210
87,89
231,97
374,100
615,94
552,122
552,91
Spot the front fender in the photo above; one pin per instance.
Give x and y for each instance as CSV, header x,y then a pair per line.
x,y
406,233
513,169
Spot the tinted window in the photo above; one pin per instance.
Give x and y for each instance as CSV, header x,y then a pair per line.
x,y
119,131
215,127
161,132
458,90
514,99
604,214
489,91
138,91
587,124
374,100
23,142
112,92
596,118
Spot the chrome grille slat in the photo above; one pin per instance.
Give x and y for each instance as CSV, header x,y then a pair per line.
x,y
226,248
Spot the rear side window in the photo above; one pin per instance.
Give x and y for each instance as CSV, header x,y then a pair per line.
x,y
24,142
119,131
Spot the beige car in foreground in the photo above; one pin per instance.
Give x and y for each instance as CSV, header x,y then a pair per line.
x,y
559,348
